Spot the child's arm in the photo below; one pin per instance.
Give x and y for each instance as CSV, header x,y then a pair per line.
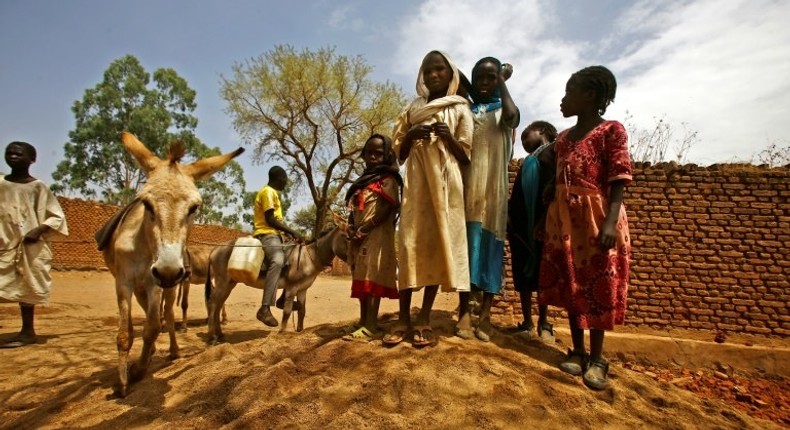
x,y
443,130
417,132
380,215
607,236
510,115
35,234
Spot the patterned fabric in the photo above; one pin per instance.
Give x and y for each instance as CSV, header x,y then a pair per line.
x,y
485,196
432,233
373,262
575,273
267,198
24,267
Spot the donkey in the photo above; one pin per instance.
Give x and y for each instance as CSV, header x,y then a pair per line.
x,y
303,265
198,263
144,246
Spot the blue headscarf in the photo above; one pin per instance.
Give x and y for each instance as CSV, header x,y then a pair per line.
x,y
491,102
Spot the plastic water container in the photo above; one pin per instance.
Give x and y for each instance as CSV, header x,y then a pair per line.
x,y
245,260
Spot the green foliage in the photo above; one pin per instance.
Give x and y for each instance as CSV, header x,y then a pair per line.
x,y
158,112
311,111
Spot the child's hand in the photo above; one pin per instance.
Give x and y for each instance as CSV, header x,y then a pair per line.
x,y
506,71
360,235
607,236
418,132
34,235
443,130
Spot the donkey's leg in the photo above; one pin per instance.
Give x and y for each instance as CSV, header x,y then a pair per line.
x,y
301,298
287,309
184,307
224,316
150,299
170,318
216,303
125,335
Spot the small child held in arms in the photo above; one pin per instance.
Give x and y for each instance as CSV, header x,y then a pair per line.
x,y
586,253
433,138
373,201
532,189
29,213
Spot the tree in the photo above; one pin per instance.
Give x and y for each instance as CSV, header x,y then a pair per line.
x,y
311,111
776,154
158,112
654,145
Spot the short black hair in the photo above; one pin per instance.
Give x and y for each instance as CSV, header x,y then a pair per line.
x,y
28,148
544,126
276,172
602,81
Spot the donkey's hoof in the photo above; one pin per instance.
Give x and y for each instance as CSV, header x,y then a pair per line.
x,y
119,390
183,329
136,372
174,355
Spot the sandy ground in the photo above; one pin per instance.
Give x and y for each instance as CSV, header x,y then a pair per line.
x,y
262,379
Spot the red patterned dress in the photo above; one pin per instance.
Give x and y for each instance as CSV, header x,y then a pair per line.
x,y
575,273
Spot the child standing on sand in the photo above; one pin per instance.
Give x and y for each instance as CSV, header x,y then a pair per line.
x,y
28,214
586,255
433,138
486,189
533,187
373,201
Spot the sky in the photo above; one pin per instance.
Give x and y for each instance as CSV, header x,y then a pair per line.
x,y
720,68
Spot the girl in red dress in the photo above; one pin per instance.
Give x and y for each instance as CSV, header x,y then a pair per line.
x,y
585,263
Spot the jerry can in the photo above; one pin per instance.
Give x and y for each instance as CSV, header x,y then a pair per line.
x,y
245,260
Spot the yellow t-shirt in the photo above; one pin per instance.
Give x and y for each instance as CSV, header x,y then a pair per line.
x,y
267,198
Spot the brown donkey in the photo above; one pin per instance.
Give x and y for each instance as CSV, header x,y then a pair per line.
x,y
144,246
197,273
303,265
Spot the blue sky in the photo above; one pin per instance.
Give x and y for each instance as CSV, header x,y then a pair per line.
x,y
720,67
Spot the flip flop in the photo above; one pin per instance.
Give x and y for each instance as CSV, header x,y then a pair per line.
x,y
396,335
482,335
425,332
464,333
546,333
361,335
596,375
16,343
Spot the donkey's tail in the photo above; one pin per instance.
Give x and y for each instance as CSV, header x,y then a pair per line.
x,y
209,287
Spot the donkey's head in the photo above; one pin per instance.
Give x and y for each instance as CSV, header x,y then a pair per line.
x,y
171,200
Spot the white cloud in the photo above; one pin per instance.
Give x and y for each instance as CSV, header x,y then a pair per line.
x,y
721,66
343,18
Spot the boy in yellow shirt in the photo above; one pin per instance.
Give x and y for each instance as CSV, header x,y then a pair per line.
x,y
269,227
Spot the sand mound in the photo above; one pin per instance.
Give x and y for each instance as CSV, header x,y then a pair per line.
x,y
317,380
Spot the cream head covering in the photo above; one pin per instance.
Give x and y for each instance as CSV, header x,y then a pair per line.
x,y
422,90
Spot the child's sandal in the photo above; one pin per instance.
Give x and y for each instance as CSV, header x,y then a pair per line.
x,y
596,375
575,363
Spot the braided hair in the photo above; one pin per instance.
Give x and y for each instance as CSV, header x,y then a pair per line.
x,y
545,127
602,81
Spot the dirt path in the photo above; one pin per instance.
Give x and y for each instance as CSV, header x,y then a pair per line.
x,y
262,379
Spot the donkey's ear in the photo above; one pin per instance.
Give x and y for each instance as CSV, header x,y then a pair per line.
x,y
147,160
206,167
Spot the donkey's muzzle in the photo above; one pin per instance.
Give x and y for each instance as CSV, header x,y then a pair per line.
x,y
168,279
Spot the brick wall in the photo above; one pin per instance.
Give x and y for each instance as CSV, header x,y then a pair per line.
x,y
84,218
710,249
